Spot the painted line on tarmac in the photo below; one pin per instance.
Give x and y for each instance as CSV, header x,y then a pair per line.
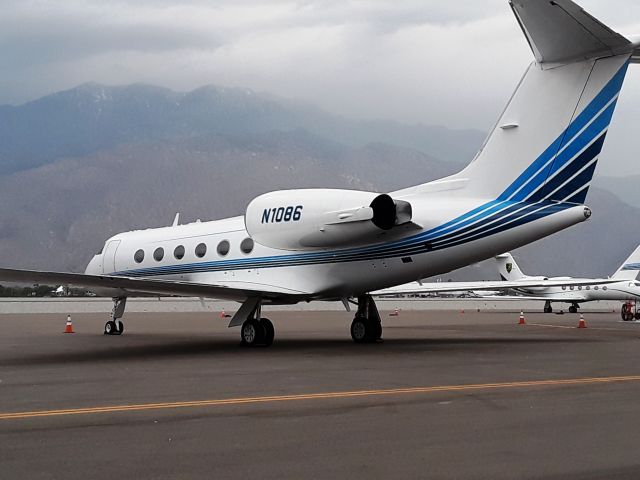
x,y
318,396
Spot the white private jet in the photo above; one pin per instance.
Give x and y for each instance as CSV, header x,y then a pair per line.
x,y
529,180
624,286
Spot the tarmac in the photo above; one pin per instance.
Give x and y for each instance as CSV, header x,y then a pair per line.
x,y
444,395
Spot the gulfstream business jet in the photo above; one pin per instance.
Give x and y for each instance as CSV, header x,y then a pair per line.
x,y
622,285
529,180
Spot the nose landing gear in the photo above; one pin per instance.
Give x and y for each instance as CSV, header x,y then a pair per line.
x,y
115,326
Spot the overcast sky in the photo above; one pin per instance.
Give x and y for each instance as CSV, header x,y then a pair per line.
x,y
452,63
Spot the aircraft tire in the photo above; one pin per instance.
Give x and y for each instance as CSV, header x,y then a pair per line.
x,y
377,330
360,330
110,328
573,309
251,333
363,330
269,331
120,326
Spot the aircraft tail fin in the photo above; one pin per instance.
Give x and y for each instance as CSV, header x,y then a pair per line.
x,y
508,268
548,139
560,31
630,267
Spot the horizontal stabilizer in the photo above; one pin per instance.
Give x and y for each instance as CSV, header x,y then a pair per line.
x,y
560,31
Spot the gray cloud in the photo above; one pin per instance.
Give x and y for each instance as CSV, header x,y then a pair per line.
x,y
429,61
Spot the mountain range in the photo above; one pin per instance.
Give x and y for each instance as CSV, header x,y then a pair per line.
x,y
81,165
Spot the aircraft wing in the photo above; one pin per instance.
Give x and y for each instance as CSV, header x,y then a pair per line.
x,y
444,287
574,298
128,286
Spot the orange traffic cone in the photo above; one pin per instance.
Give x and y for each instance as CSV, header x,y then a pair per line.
x,y
69,327
581,323
462,310
222,314
522,321
395,313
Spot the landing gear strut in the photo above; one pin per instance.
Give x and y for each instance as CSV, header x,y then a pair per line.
x,y
366,326
256,330
547,307
115,326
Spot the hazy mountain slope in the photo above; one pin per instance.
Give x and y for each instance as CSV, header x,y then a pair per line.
x,y
110,159
57,215
626,189
93,117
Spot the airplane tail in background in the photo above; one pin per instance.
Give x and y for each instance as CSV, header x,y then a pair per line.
x,y
546,143
508,268
630,267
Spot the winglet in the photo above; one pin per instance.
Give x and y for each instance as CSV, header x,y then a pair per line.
x,y
559,31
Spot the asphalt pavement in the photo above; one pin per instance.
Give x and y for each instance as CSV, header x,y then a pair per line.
x,y
445,395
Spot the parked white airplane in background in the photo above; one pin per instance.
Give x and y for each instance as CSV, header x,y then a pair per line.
x,y
624,288
529,180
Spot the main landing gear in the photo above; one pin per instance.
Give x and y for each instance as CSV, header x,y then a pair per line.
x,y
255,330
366,326
574,308
630,311
547,307
115,326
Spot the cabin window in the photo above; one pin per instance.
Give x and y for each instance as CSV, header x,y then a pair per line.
x,y
201,250
604,288
579,287
564,287
158,254
588,287
179,252
247,245
571,287
139,256
596,287
223,248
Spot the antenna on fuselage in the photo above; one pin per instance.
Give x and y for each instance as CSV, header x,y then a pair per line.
x,y
176,220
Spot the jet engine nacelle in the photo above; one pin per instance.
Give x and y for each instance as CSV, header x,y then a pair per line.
x,y
323,218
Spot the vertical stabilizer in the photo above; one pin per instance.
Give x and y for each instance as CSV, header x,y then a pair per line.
x,y
546,143
508,268
630,267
